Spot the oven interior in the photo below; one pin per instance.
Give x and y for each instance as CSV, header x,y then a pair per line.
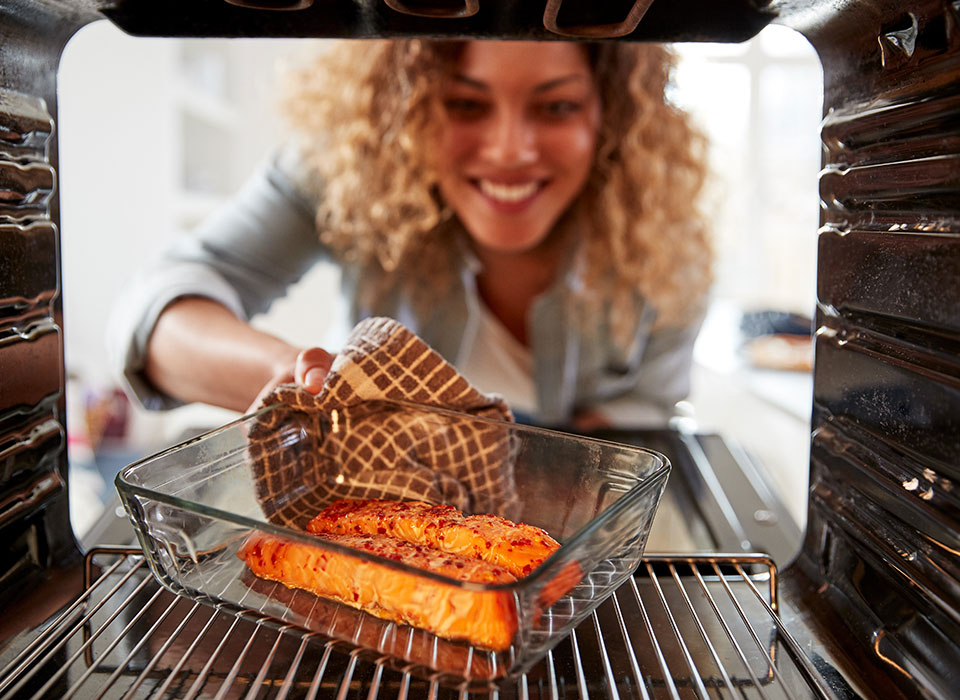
x,y
862,603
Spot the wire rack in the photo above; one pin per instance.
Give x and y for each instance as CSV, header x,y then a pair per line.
x,y
681,627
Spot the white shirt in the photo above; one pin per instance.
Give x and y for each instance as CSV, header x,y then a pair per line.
x,y
499,363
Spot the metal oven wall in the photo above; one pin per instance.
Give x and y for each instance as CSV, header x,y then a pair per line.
x,y
882,536
34,526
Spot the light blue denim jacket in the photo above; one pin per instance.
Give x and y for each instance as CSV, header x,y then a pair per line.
x,y
248,253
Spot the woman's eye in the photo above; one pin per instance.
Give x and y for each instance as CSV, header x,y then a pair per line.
x,y
464,108
557,109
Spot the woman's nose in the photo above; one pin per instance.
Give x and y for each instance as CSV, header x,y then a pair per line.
x,y
511,140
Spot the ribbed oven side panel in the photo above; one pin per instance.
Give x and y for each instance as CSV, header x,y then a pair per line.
x,y
32,435
34,518
884,518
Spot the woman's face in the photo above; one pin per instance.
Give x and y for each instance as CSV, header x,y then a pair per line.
x,y
517,140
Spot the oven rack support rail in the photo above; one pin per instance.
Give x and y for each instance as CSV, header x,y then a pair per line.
x,y
682,627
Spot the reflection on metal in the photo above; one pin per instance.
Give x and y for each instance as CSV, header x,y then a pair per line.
x,y
31,331
900,188
29,437
877,641
24,122
729,529
596,31
271,4
23,184
841,228
900,40
29,497
706,624
466,8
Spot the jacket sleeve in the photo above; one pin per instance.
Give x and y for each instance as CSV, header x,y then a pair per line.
x,y
244,256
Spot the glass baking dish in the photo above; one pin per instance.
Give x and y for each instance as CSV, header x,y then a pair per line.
x,y
194,505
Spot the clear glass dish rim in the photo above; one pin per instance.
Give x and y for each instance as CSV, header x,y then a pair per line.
x,y
558,558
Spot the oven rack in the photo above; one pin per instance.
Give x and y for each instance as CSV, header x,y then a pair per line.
x,y
702,626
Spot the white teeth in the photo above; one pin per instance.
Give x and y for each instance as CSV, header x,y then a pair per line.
x,y
508,193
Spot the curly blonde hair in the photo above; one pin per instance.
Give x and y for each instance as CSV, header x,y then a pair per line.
x,y
365,109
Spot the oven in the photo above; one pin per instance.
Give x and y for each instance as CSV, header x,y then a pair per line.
x,y
864,602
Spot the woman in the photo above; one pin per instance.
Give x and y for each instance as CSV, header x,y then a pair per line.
x,y
529,209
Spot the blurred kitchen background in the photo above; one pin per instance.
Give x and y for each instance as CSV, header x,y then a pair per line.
x,y
201,113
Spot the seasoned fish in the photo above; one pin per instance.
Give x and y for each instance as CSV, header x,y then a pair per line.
x,y
517,547
482,618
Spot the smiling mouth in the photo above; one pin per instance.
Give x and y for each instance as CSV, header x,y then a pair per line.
x,y
509,194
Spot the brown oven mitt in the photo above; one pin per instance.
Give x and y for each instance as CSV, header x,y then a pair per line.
x,y
342,443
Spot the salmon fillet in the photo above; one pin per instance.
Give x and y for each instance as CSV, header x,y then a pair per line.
x,y
482,618
517,547
410,644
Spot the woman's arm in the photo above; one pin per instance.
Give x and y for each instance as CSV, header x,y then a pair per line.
x,y
200,351
178,332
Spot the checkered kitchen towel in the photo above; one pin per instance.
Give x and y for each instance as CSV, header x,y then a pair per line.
x,y
345,442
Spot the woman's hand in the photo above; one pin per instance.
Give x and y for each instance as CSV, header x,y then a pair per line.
x,y
200,351
309,370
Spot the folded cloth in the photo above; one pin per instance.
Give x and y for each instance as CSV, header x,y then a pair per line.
x,y
346,442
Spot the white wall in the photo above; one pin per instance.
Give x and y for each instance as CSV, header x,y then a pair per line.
x,y
113,90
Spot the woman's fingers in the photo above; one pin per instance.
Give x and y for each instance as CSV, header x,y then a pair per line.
x,y
309,371
313,364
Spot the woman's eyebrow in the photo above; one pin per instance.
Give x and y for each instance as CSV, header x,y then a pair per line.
x,y
557,82
470,82
542,87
